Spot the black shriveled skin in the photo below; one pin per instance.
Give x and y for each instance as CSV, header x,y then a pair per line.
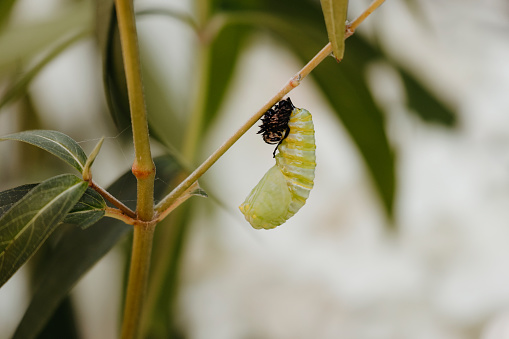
x,y
274,127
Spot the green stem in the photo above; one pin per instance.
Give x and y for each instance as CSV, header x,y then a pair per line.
x,y
292,83
143,169
138,279
143,166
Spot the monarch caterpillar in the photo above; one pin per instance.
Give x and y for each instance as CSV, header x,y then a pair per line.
x,y
283,190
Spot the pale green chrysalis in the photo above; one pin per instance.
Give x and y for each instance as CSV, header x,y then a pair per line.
x,y
283,190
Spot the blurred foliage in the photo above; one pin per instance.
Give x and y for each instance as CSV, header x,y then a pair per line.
x,y
20,43
5,11
221,40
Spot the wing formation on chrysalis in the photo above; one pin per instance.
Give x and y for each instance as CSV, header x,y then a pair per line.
x,y
283,190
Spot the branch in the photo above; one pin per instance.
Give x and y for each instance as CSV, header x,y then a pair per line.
x,y
168,201
143,166
117,203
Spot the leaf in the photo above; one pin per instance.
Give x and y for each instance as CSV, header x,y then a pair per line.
x,y
334,12
29,222
88,210
20,86
346,89
12,196
164,124
422,102
5,11
78,250
64,323
20,43
87,170
56,143
115,85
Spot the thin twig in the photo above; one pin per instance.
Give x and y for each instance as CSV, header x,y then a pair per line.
x,y
143,169
118,214
107,195
292,83
295,81
143,166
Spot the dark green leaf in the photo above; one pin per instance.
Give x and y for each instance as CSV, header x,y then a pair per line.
x,y
78,250
29,222
114,80
63,324
56,143
422,102
346,89
164,124
12,196
334,13
89,209
5,10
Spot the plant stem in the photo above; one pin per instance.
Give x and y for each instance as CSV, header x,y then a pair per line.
x,y
143,166
292,83
143,169
138,279
117,203
119,215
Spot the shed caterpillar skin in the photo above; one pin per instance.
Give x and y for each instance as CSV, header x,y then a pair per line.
x,y
283,190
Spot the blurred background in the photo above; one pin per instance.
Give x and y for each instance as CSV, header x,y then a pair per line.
x,y
405,232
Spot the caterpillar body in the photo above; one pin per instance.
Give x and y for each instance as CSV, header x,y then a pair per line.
x,y
283,190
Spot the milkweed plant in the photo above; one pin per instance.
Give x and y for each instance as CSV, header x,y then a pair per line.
x,y
30,213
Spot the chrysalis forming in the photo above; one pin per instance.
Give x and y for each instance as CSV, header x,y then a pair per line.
x,y
283,190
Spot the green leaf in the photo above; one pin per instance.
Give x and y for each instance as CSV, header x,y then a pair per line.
x,y
20,43
87,170
334,12
424,104
10,197
78,250
115,85
346,89
56,143
20,86
5,10
164,124
88,210
29,222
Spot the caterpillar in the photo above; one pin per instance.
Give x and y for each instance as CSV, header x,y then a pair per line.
x,y
283,190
